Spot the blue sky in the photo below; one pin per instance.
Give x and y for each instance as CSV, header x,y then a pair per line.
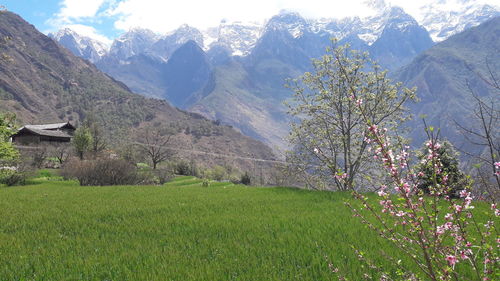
x,y
107,19
50,16
34,11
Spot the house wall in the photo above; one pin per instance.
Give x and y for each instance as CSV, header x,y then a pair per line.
x,y
44,139
26,139
31,139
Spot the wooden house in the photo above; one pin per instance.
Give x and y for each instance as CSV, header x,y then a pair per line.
x,y
44,134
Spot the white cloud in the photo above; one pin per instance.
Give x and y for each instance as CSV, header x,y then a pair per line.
x,y
73,12
163,16
75,9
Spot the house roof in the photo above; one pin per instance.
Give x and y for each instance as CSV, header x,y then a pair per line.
x,y
54,126
49,133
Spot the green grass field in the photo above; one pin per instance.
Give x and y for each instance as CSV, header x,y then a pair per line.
x,y
57,230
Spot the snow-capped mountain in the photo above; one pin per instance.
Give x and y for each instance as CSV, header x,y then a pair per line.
x,y
443,20
236,37
79,45
166,45
133,42
440,18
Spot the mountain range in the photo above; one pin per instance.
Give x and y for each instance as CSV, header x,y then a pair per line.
x,y
448,74
235,72
43,82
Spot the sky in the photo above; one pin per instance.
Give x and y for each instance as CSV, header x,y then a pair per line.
x,y
107,19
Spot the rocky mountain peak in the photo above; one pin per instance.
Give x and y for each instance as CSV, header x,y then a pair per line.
x,y
237,38
292,22
443,20
133,42
79,45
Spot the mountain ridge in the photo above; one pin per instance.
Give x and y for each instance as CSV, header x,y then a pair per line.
x,y
42,82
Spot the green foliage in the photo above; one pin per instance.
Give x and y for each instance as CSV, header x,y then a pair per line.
x,y
205,183
7,151
12,177
82,141
448,157
96,130
245,179
218,173
185,168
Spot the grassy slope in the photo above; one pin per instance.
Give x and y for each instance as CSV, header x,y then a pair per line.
x,y
182,231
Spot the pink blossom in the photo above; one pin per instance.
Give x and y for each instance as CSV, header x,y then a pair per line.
x,y
464,193
359,102
382,193
465,254
339,177
400,214
448,225
440,230
448,217
452,260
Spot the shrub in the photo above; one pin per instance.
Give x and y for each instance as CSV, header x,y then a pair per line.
x,y
12,177
218,173
102,172
183,168
450,173
206,183
163,175
245,179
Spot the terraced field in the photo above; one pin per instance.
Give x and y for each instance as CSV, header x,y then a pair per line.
x,y
57,230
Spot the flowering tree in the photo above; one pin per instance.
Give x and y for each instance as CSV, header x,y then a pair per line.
x,y
439,233
329,132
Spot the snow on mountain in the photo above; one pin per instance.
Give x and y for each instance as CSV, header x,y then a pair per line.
x,y
166,45
237,37
133,42
293,22
79,45
443,20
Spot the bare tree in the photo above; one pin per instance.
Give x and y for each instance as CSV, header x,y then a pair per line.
x,y
155,144
485,134
38,157
60,151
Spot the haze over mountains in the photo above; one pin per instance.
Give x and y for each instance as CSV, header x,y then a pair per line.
x,y
235,72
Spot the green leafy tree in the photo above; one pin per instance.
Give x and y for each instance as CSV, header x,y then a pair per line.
x,y
328,133
82,141
448,167
7,151
98,139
